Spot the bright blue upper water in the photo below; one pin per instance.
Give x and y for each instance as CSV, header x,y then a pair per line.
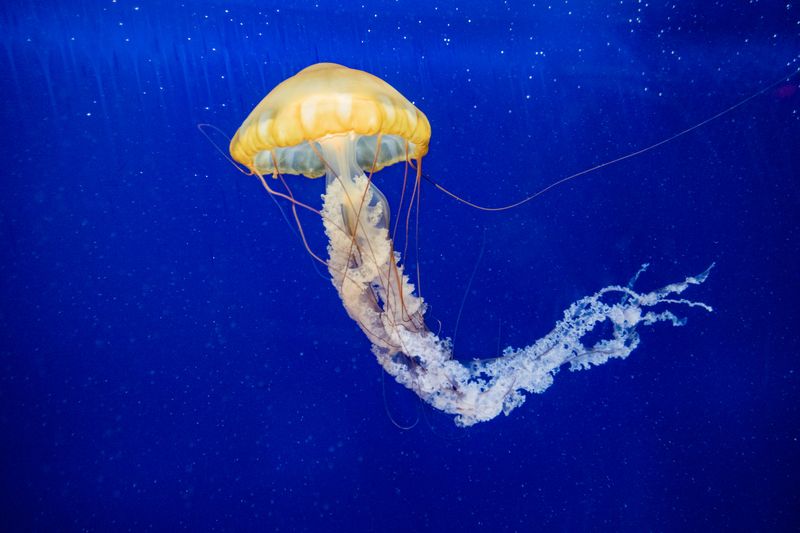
x,y
170,358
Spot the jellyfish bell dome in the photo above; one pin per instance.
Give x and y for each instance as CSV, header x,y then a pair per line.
x,y
328,107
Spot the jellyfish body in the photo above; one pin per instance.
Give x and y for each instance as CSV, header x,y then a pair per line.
x,y
339,122
347,124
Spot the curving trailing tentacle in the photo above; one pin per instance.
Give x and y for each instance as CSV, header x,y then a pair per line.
x,y
386,308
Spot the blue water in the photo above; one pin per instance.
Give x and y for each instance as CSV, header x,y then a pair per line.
x,y
171,359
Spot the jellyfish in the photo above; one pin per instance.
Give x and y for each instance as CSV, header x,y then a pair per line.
x,y
346,124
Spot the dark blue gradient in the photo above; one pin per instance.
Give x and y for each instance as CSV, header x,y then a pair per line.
x,y
171,359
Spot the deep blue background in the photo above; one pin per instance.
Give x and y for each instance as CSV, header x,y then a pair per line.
x,y
169,356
